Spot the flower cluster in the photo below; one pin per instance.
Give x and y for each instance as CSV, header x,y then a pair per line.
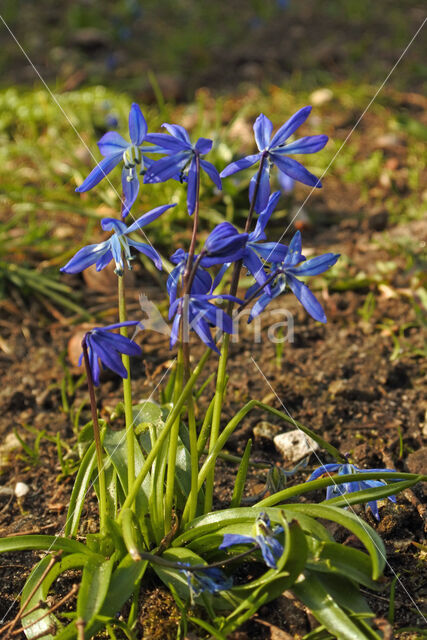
x,y
274,266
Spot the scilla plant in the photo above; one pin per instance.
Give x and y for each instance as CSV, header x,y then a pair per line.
x,y
155,477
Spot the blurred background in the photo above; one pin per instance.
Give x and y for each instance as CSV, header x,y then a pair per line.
x,y
193,43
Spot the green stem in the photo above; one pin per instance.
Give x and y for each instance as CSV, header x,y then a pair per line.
x,y
97,437
176,411
222,366
127,390
173,446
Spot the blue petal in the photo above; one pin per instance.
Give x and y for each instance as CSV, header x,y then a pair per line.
x,y
167,168
130,191
172,283
203,145
175,330
212,173
307,299
290,126
148,251
263,193
104,260
116,250
120,343
94,365
202,329
309,144
286,183
263,128
170,143
293,255
178,132
264,216
295,170
112,143
100,171
259,306
149,217
219,276
254,265
374,508
324,469
137,125
192,187
85,257
231,539
271,550
317,265
271,251
202,282
111,224
108,356
239,165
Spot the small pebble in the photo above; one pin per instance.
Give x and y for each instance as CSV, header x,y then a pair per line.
x,y
294,445
21,489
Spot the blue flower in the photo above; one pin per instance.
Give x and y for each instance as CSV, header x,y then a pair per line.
x,y
181,160
106,347
202,281
274,151
102,253
114,148
223,244
336,490
201,316
211,579
287,276
269,251
264,539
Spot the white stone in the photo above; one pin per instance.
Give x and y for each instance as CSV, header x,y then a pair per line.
x,y
21,489
294,445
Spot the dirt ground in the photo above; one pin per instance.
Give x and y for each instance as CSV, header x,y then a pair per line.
x,y
338,379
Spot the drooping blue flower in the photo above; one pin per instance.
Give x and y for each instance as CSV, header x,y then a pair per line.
x,y
276,152
288,272
223,244
202,281
201,316
264,538
182,160
211,579
105,348
115,148
254,250
102,253
335,490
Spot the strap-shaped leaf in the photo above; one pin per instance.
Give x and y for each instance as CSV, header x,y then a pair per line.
x,y
368,495
115,445
366,534
93,587
314,595
212,522
43,543
36,621
334,558
79,491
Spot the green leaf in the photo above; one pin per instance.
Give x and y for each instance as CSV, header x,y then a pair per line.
x,y
115,445
79,491
214,521
313,594
374,493
44,543
93,587
36,621
241,476
334,558
356,525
